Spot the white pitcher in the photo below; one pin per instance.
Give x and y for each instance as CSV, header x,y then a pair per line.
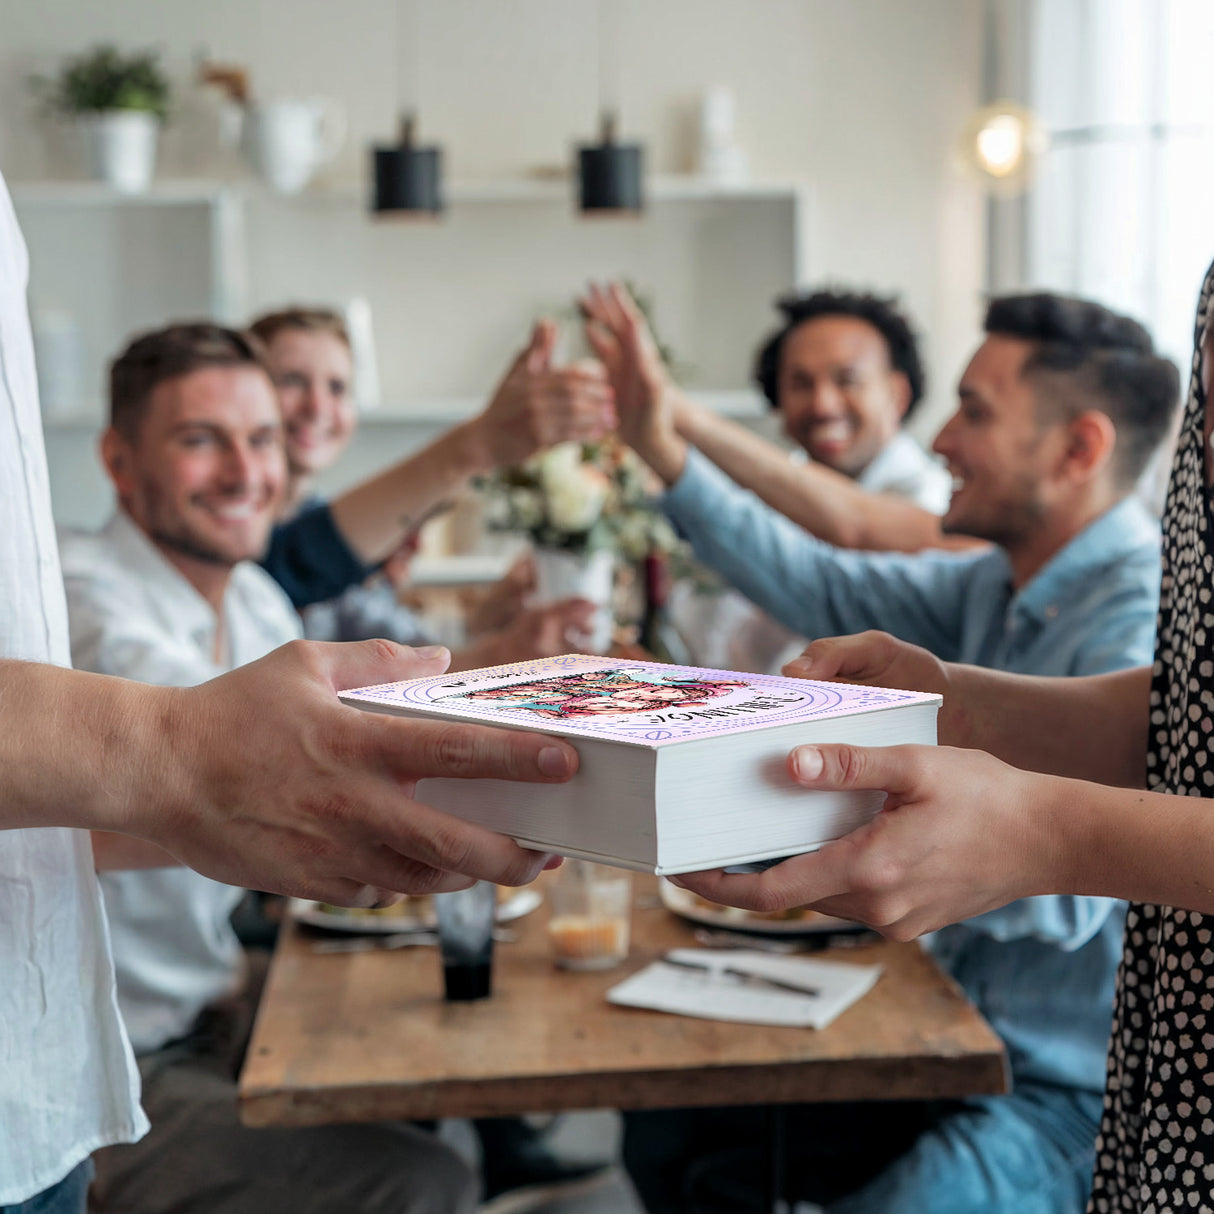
x,y
289,139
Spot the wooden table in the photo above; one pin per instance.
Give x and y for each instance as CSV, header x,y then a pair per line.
x,y
368,1037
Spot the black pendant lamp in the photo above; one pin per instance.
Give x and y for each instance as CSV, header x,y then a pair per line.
x,y
408,177
610,173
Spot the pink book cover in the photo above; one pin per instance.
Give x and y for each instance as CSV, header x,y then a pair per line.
x,y
639,703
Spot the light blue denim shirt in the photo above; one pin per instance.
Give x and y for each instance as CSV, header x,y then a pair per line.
x,y
1040,969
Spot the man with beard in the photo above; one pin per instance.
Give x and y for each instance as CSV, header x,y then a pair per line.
x,y
1060,409
168,593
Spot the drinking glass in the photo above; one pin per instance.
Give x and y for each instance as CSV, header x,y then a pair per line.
x,y
591,916
465,936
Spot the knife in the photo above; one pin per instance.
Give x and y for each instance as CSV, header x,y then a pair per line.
x,y
714,967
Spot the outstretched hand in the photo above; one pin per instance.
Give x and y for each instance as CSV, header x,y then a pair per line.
x,y
621,340
270,782
957,836
537,405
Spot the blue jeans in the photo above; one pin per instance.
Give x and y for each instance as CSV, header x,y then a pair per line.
x,y
1027,1153
69,1196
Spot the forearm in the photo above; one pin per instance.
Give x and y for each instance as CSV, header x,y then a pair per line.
x,y
83,750
1092,728
1127,843
826,503
375,516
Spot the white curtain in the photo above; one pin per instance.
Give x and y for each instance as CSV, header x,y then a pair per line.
x,y
1121,208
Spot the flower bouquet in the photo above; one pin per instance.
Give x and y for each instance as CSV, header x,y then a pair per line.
x,y
585,507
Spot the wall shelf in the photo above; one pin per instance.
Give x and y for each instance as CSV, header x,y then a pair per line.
x,y
672,187
452,300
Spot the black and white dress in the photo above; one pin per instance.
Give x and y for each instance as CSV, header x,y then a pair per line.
x,y
1155,1151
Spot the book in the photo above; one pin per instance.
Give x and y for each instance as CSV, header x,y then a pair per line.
x,y
681,768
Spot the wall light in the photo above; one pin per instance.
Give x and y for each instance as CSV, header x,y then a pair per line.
x,y
1002,143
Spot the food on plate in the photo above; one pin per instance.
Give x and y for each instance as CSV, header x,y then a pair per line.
x,y
413,906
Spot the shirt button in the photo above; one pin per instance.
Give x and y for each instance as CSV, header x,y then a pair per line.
x,y
1051,612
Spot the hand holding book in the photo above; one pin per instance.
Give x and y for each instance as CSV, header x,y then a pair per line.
x,y
955,838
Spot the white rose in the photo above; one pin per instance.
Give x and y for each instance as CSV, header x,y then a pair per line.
x,y
558,464
576,502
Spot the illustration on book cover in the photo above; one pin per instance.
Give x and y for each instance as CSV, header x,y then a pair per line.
x,y
603,692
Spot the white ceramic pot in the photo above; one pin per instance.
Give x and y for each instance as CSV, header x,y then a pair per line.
x,y
121,148
287,140
560,574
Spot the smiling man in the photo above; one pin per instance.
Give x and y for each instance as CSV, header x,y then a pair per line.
x,y
168,593
1060,409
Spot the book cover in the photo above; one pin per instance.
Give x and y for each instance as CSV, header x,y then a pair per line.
x,y
636,703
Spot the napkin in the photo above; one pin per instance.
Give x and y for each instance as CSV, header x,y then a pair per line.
x,y
721,990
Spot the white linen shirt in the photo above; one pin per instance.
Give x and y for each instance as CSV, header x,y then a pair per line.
x,y
68,1083
133,614
903,468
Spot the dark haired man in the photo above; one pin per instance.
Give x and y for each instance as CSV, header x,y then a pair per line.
x,y
1060,409
168,593
845,373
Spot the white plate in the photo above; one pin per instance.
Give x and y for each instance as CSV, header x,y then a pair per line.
x,y
419,919
685,903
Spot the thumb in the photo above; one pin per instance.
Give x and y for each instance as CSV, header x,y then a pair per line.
x,y
538,355
845,659
891,769
363,663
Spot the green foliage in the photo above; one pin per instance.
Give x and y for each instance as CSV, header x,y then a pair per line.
x,y
104,78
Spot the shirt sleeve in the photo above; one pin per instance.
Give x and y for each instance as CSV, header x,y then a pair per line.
x,y
810,586
310,560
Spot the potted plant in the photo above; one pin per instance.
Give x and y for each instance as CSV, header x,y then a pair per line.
x,y
119,101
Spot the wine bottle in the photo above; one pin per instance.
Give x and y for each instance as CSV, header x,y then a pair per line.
x,y
658,634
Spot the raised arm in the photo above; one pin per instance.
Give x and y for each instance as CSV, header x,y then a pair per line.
x,y
825,502
263,778
535,405
659,419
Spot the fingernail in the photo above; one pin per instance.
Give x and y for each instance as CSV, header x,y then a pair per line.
x,y
553,862
427,652
807,762
553,761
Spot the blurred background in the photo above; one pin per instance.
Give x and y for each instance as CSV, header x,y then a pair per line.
x,y
786,143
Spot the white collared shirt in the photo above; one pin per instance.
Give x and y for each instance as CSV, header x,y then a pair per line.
x,y
68,1083
904,469
134,615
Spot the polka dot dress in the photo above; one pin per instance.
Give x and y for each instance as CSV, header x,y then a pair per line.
x,y
1155,1151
